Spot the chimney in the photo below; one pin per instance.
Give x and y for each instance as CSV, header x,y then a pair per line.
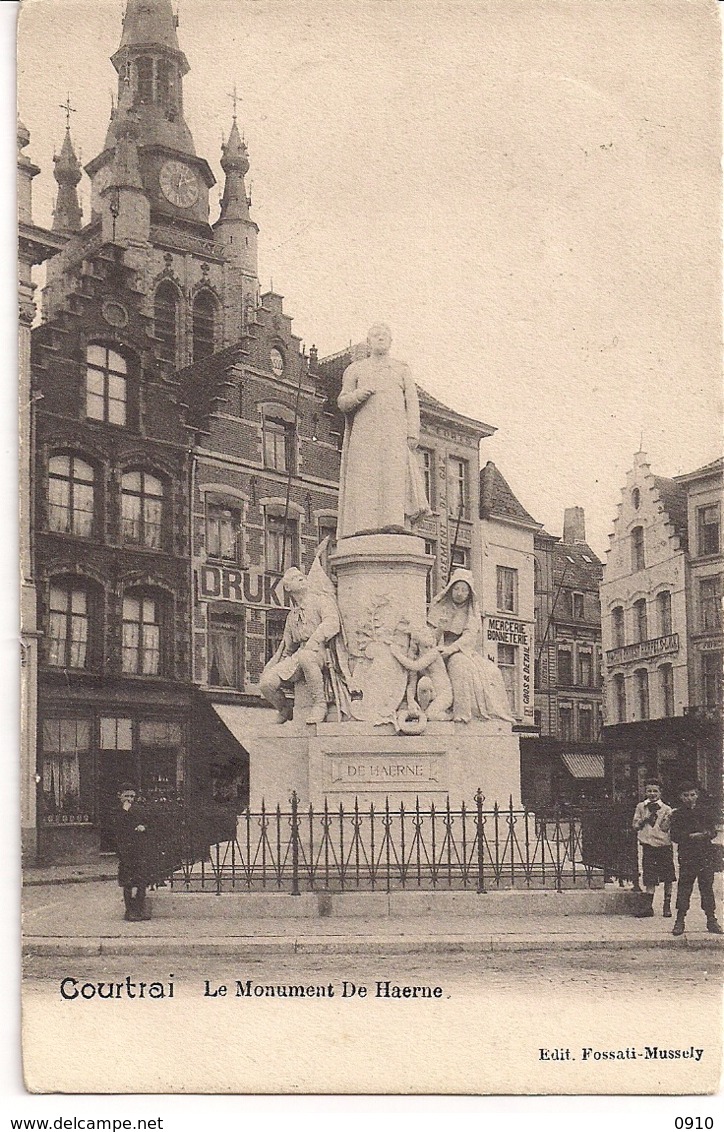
x,y
574,525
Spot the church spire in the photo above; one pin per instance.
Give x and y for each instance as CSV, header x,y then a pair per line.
x,y
150,60
235,163
68,215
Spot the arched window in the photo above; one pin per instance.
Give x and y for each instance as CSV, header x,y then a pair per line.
x,y
641,677
142,509
144,77
165,317
617,625
141,646
663,601
641,620
69,624
106,385
204,324
70,496
636,498
619,691
163,81
638,558
666,687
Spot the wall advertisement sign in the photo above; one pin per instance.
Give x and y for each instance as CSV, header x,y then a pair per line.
x,y
518,634
243,587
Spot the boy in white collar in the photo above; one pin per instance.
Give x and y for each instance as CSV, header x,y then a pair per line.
x,y
651,822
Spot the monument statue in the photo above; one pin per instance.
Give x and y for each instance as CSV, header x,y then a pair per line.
x,y
311,625
477,683
429,683
381,483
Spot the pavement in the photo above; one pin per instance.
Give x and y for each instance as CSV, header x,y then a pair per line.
x,y
72,919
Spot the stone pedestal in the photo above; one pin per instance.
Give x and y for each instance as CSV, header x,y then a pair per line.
x,y
380,582
336,761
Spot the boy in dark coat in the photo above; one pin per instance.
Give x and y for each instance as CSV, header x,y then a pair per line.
x,y
693,826
132,837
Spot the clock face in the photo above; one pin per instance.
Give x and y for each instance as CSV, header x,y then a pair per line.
x,y
178,184
277,362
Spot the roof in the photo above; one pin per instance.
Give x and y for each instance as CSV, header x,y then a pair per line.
x,y
497,499
674,500
331,368
698,473
580,565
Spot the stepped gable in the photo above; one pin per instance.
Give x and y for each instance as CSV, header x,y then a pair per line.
x,y
674,501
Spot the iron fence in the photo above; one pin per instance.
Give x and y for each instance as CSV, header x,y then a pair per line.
x,y
387,847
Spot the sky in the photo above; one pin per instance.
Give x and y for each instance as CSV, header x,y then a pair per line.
x,y
527,192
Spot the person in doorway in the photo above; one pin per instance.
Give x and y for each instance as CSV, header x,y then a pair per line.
x,y
656,848
693,828
132,834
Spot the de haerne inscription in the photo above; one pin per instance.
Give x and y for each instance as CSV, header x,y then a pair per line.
x,y
380,771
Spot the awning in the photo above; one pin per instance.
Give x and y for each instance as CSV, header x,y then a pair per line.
x,y
243,722
584,766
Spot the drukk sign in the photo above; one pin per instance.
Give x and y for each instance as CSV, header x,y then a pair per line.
x,y
243,587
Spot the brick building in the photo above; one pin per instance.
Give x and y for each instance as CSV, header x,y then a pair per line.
x,y
565,763
186,450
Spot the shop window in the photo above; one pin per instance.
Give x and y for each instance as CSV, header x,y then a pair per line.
x,y
641,679
638,558
579,609
116,734
159,757
507,589
617,626
204,325
666,687
141,645
69,625
507,665
585,669
565,667
106,385
565,723
225,652
141,509
711,679
710,602
67,778
71,496
223,532
427,463
459,501
585,723
619,691
281,550
708,522
166,310
274,632
640,620
278,445
663,604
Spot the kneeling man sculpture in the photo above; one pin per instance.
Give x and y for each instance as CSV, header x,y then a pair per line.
x,y
312,622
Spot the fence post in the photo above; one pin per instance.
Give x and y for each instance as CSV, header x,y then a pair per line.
x,y
295,843
481,853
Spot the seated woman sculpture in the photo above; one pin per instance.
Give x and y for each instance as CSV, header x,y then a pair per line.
x,y
478,688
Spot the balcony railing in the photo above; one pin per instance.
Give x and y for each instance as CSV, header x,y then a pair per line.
x,y
643,650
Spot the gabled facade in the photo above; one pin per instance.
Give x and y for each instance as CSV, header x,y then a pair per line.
x,y
653,624
564,763
507,590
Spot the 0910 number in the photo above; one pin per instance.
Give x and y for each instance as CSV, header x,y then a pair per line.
x,y
690,1122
